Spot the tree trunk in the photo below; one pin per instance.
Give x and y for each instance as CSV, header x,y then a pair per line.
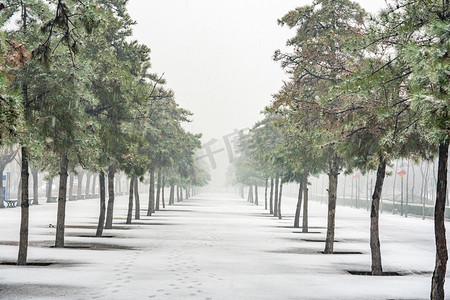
x,y
393,187
117,184
178,194
130,201
162,191
158,190
70,186
80,184
2,204
24,206
111,198
377,268
137,212
351,192
434,180
248,196
271,197
265,193
256,195
305,204
413,183
425,192
367,191
422,182
332,192
357,179
181,194
171,194
275,202
446,198
299,205
437,282
151,193
19,192
407,189
279,199
101,218
345,184
174,193
88,184
49,189
371,188
64,164
94,179
35,175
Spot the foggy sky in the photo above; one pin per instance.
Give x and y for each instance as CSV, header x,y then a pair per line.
x,y
217,55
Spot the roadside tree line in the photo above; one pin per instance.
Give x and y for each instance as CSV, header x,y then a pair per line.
x,y
77,94
363,90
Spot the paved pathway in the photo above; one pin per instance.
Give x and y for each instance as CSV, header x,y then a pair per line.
x,y
215,247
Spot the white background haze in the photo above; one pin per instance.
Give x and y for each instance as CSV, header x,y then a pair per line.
x,y
217,55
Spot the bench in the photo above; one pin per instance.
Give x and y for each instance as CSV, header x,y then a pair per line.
x,y
11,203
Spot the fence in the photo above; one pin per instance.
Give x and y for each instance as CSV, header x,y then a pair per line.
x,y
387,206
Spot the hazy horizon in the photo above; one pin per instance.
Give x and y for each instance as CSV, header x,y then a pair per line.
x,y
217,55
217,58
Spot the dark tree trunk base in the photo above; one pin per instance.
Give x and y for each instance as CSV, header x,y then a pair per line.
x,y
111,198
64,164
369,273
305,204
332,194
24,205
101,218
130,201
438,280
137,212
299,205
375,249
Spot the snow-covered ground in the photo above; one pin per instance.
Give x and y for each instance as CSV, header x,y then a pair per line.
x,y
213,246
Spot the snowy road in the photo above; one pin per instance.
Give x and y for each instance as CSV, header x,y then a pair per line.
x,y
213,247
